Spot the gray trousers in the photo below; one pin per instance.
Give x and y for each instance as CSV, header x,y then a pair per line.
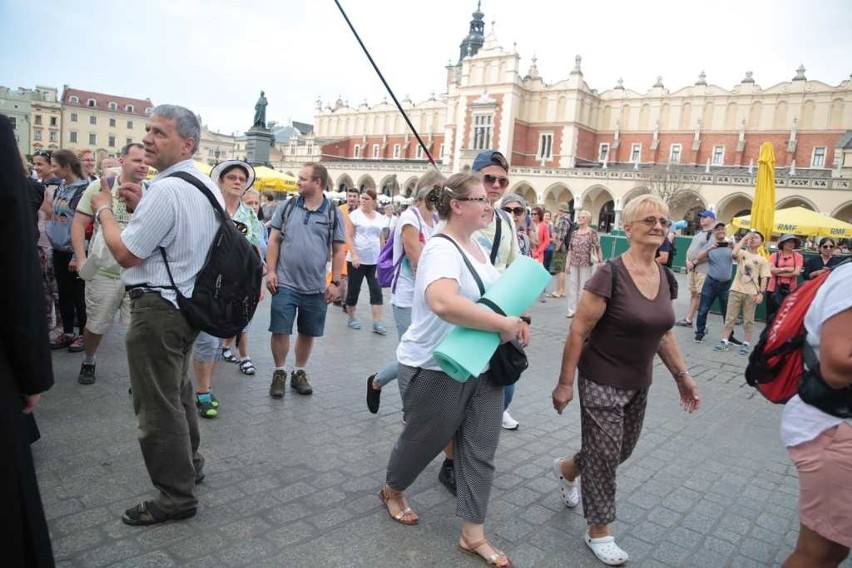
x,y
437,410
159,344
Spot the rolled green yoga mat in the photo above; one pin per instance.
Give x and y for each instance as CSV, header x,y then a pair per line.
x,y
465,352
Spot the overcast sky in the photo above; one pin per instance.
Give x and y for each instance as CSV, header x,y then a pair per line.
x,y
214,56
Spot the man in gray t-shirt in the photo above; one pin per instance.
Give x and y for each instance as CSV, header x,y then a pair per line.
x,y
720,263
304,233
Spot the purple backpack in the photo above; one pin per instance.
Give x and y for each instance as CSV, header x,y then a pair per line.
x,y
387,271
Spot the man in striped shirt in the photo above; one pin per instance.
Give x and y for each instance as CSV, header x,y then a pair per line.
x,y
176,216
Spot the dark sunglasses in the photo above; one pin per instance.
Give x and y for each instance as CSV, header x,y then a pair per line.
x,y
489,180
828,246
514,210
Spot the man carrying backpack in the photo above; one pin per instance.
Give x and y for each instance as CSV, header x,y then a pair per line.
x,y
305,231
178,217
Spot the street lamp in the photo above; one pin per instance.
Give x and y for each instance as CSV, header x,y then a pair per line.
x,y
217,153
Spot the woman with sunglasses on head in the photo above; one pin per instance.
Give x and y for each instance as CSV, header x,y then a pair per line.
x,y
72,301
584,241
624,318
44,174
439,409
825,260
364,237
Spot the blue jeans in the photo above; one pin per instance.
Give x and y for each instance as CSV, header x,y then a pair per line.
x,y
712,290
508,395
402,318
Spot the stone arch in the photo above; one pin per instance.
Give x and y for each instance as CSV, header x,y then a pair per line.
x,y
366,181
731,116
525,190
665,110
686,201
844,212
409,186
389,186
644,116
835,114
344,182
599,201
556,194
633,194
733,205
685,117
606,118
707,116
796,201
754,115
780,118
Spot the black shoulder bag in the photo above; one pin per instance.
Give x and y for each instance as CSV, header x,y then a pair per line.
x,y
509,359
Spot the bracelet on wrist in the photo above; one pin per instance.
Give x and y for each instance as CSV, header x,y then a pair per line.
x,y
526,319
100,210
681,374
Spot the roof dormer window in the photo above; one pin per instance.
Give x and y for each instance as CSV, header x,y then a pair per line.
x,y
112,106
91,103
148,110
129,108
74,100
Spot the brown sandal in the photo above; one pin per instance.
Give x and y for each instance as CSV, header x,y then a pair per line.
x,y
491,560
402,516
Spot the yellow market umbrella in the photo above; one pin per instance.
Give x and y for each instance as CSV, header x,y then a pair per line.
x,y
267,178
801,221
763,208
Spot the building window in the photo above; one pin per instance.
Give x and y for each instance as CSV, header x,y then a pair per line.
x,y
635,152
72,137
38,120
112,140
93,119
482,131
112,122
674,153
356,151
112,106
54,136
148,110
130,125
545,146
419,152
128,140
603,152
718,155
93,139
818,157
91,103
128,108
441,151
53,121
73,117
74,100
375,151
293,150
37,132
396,151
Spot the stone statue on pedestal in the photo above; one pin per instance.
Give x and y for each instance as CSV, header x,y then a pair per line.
x,y
260,112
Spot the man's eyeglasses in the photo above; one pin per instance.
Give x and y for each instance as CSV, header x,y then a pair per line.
x,y
479,199
652,221
514,210
489,180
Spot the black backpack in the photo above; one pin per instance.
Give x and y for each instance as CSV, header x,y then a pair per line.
x,y
290,204
227,289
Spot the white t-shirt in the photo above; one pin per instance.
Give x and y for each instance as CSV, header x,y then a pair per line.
x,y
368,236
402,295
439,259
802,422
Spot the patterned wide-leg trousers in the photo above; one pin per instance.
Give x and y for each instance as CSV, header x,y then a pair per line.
x,y
610,422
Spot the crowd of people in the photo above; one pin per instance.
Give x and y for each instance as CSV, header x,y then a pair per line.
x,y
118,244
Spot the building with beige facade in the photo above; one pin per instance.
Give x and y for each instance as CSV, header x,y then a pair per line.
x,y
597,149
45,119
101,122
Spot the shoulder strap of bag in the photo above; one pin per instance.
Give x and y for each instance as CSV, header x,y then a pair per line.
x,y
397,267
466,262
495,246
192,180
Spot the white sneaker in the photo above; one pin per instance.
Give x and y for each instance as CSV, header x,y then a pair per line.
x,y
509,423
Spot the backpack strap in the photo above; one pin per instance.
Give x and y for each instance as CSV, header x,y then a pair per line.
x,y
495,246
466,262
397,267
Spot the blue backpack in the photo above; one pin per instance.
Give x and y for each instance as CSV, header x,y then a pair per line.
x,y
387,271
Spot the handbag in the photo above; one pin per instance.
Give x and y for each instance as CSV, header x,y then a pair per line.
x,y
815,391
509,359
594,258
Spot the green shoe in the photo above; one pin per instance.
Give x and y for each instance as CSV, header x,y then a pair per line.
x,y
206,407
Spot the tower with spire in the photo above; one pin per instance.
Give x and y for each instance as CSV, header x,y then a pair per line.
x,y
475,36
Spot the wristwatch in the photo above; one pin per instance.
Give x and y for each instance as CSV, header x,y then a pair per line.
x,y
336,283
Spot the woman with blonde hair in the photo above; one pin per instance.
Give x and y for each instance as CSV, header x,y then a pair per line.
x,y
624,317
584,252
438,408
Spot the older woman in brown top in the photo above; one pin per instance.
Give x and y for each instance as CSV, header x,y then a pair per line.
x,y
625,316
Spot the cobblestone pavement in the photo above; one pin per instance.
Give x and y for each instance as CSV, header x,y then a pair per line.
x,y
294,482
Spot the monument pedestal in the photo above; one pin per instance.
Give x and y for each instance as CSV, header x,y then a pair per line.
x,y
259,142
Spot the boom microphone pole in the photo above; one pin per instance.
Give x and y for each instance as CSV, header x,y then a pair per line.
x,y
385,83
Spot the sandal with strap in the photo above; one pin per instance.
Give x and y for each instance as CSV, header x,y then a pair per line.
x,y
403,517
606,550
492,559
148,513
228,356
247,367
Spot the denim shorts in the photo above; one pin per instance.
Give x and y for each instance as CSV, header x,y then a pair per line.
x,y
208,349
307,310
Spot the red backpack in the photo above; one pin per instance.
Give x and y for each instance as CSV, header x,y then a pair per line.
x,y
782,356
